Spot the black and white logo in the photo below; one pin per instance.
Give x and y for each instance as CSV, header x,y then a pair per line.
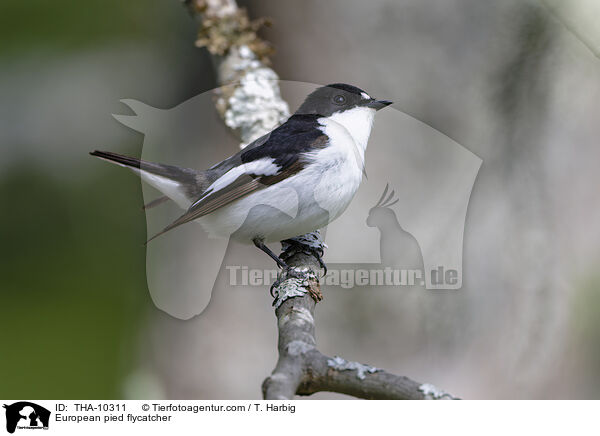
x,y
26,415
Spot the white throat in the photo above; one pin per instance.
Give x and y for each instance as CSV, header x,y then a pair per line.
x,y
357,122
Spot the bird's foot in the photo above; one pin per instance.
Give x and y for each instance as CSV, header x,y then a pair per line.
x,y
321,263
310,244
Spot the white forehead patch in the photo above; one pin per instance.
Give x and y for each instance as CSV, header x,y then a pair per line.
x,y
365,96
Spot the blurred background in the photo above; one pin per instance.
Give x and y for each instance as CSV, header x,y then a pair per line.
x,y
515,82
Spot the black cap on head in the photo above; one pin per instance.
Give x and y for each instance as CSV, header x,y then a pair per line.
x,y
347,88
338,97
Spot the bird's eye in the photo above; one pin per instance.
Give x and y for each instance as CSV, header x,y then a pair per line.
x,y
339,99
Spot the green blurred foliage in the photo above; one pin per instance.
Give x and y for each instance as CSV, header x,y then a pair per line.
x,y
76,25
73,284
73,293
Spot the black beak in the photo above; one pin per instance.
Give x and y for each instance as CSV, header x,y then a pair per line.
x,y
378,104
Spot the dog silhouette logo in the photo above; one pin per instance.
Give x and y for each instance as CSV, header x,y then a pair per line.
x,y
26,415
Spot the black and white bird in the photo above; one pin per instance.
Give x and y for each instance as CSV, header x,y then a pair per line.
x,y
294,180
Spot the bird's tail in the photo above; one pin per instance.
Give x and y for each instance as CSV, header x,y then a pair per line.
x,y
119,159
182,185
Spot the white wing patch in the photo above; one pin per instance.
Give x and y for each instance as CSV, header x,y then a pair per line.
x,y
261,167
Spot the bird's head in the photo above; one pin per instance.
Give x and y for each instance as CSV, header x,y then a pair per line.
x,y
339,98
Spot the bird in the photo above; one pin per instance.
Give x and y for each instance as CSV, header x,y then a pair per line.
x,y
294,180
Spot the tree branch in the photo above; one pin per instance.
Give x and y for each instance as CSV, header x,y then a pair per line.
x,y
304,370
251,105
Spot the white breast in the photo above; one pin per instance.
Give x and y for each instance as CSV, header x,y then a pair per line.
x,y
357,122
341,164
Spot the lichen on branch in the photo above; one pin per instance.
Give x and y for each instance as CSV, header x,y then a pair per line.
x,y
224,26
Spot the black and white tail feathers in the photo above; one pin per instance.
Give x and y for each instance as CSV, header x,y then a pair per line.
x,y
182,185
